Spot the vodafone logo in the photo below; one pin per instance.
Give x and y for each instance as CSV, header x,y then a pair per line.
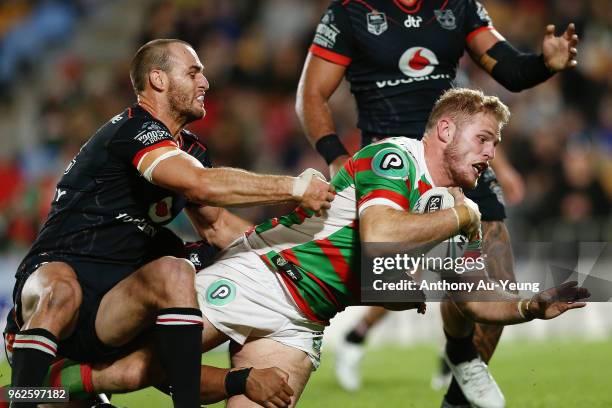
x,y
417,62
161,211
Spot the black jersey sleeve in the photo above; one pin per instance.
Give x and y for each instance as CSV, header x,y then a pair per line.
x,y
333,40
191,145
138,137
476,19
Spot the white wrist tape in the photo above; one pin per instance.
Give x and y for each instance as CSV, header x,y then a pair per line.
x,y
148,173
519,306
300,184
457,218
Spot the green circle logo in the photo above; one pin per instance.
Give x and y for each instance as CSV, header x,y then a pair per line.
x,y
221,292
390,163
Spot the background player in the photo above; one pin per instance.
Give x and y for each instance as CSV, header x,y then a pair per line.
x,y
84,290
398,57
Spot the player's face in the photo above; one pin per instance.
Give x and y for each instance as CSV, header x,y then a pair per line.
x,y
187,83
472,148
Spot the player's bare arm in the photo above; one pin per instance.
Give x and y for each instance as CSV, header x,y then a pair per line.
x,y
544,305
516,70
319,80
217,226
380,223
224,187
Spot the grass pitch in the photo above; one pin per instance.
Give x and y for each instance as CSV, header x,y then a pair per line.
x,y
555,374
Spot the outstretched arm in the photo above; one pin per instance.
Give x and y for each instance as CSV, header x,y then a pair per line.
x,y
175,170
511,309
516,70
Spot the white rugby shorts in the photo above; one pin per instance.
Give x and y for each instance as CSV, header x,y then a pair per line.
x,y
243,298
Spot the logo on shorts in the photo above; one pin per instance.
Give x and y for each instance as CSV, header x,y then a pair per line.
x,y
417,62
390,163
377,23
446,18
221,292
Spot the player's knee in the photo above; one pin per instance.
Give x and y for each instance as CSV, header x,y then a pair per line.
x,y
62,297
177,275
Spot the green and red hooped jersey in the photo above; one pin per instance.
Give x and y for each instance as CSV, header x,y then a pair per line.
x,y
326,249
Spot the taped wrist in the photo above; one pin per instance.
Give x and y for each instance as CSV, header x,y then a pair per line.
x,y
463,215
516,70
235,381
330,147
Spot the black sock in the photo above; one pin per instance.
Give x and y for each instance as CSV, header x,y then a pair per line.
x,y
460,349
33,353
179,339
358,334
454,395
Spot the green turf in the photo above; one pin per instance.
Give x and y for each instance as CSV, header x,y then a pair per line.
x,y
532,375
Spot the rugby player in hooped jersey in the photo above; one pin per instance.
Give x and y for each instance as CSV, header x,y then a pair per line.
x,y
273,291
85,290
399,56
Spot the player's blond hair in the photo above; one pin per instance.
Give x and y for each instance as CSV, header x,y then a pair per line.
x,y
461,104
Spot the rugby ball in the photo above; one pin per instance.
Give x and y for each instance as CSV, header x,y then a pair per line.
x,y
435,199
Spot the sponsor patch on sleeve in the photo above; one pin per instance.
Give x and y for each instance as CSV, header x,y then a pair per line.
x,y
391,163
151,133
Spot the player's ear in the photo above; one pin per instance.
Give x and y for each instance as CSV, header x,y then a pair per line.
x,y
445,129
158,79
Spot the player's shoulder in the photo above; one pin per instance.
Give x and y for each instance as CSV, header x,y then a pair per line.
x,y
191,144
136,123
394,157
190,137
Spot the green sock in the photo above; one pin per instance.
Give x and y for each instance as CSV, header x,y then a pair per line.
x,y
73,376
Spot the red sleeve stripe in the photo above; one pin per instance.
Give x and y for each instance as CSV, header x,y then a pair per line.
x,y
477,31
330,56
387,194
348,166
363,164
138,156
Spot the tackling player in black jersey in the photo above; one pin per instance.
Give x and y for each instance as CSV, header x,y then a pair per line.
x,y
399,56
85,289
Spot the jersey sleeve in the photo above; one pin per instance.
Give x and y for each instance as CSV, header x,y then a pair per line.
x,y
384,174
333,37
138,137
192,146
476,20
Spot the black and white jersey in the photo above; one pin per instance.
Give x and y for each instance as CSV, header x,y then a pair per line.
x,y
399,59
103,209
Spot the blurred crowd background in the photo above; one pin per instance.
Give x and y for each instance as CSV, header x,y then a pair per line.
x,y
64,72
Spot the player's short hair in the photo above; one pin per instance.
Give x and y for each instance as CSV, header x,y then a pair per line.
x,y
152,55
462,103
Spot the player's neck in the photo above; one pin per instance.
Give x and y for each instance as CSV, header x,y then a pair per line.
x,y
434,160
162,114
